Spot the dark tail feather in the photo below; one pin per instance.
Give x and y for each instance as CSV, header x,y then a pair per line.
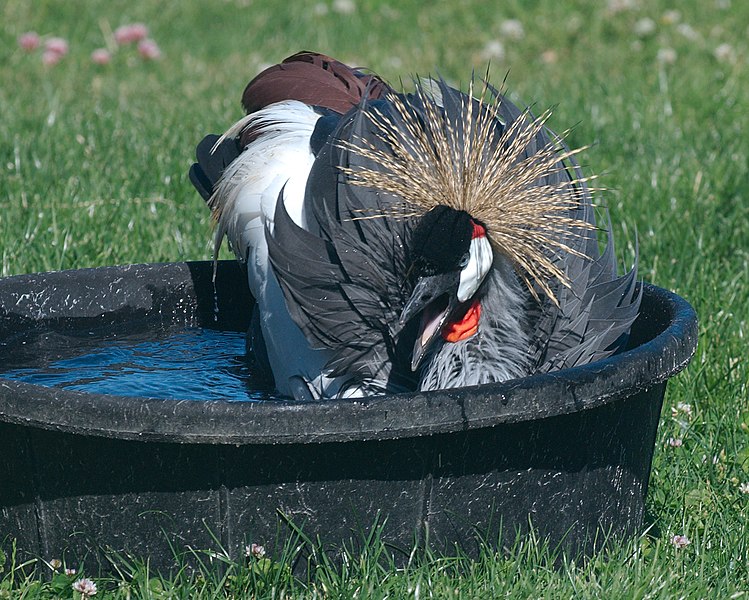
x,y
205,173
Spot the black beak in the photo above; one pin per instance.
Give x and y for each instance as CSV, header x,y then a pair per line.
x,y
435,298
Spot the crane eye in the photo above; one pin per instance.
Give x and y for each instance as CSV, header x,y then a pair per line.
x,y
464,260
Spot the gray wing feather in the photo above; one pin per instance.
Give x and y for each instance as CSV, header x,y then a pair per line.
x,y
301,263
347,292
595,314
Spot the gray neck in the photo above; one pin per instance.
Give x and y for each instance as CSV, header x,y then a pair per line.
x,y
500,349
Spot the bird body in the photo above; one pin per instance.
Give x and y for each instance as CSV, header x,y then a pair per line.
x,y
408,241
265,158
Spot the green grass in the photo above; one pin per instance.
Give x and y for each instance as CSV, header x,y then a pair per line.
x,y
529,570
93,171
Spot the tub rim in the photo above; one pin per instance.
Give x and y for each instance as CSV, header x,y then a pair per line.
x,y
378,418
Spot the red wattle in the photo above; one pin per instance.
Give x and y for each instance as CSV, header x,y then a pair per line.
x,y
465,326
478,230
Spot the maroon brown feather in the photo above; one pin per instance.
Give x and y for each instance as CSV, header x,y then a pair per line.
x,y
314,79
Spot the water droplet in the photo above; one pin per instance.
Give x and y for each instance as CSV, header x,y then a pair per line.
x,y
215,297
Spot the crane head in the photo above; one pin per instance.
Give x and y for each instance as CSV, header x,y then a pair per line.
x,y
451,256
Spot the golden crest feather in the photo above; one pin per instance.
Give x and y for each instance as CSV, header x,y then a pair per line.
x,y
476,163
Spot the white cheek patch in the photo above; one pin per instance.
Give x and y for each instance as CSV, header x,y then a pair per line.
x,y
479,262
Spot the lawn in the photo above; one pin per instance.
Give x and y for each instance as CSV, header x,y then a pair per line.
x,y
93,171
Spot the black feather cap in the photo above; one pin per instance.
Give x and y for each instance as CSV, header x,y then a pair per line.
x,y
441,240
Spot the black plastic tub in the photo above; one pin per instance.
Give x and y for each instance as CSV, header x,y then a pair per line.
x,y
569,452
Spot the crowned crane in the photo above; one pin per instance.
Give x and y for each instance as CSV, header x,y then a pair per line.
x,y
399,241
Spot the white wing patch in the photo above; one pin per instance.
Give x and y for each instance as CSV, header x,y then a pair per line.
x,y
279,158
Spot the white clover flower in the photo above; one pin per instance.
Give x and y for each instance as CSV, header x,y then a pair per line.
x,y
671,17
616,6
493,49
549,57
396,62
513,29
574,23
644,27
675,442
85,587
680,541
724,53
744,487
667,56
254,551
344,7
689,32
681,407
